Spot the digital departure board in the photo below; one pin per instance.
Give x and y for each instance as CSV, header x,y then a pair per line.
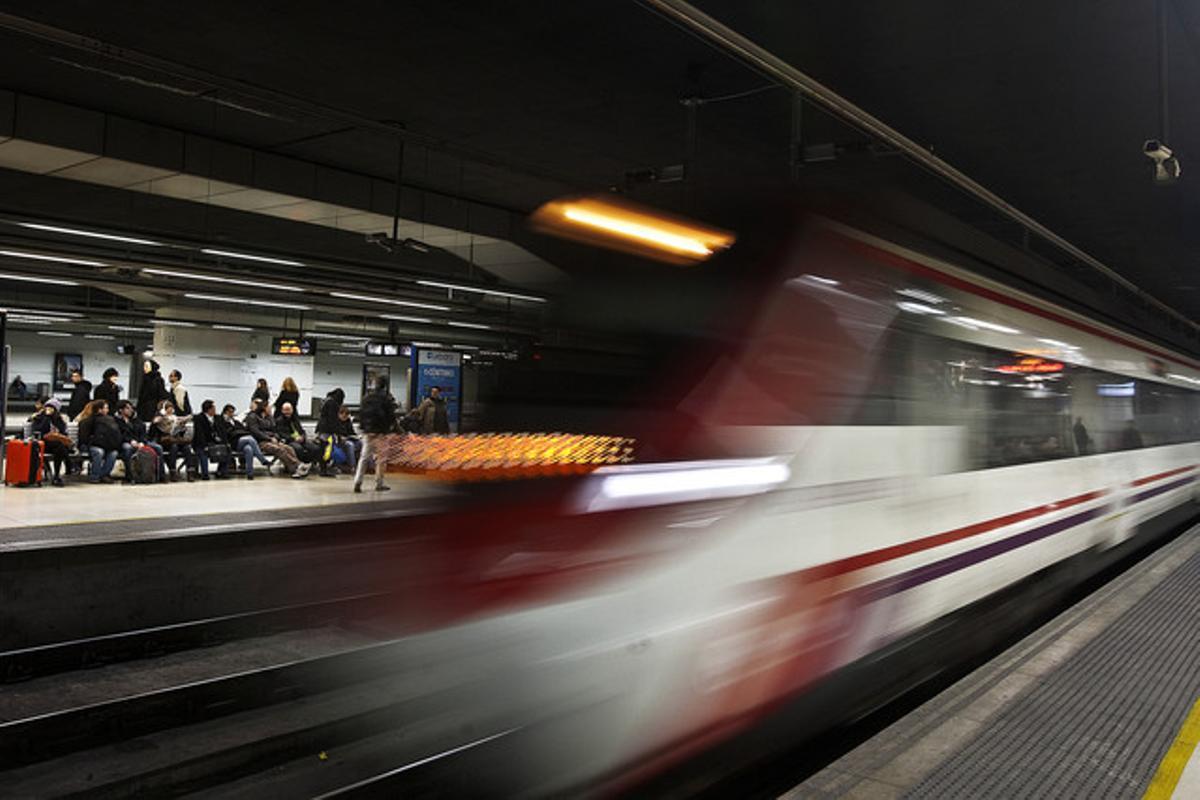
x,y
298,346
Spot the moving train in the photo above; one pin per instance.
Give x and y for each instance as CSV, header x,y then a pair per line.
x,y
848,454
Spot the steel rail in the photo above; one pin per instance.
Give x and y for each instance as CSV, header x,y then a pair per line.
x,y
711,30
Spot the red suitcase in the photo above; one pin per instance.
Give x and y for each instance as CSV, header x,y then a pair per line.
x,y
23,462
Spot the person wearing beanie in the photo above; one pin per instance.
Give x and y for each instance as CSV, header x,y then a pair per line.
x,y
50,420
108,390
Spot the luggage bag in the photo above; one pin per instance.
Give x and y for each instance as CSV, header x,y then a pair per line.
x,y
23,462
144,465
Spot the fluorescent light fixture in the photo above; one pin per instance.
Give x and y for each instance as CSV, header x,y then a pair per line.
x,y
919,294
98,336
464,347
358,354
1184,378
195,276
130,328
821,280
919,308
75,232
170,323
976,324
478,325
83,262
341,336
428,344
41,313
646,229
369,299
421,320
37,318
54,333
245,301
249,257
478,290
231,328
8,276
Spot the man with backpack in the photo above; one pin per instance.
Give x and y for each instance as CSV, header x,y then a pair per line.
x,y
378,418
136,446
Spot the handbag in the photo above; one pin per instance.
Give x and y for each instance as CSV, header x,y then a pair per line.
x,y
60,438
217,452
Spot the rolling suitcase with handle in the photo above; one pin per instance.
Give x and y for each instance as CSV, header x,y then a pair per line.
x,y
23,462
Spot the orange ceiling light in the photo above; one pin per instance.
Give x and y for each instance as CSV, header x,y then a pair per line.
x,y
621,225
501,456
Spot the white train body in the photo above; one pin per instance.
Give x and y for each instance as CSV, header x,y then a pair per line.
x,y
702,594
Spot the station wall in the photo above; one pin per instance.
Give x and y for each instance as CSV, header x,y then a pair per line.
x,y
33,358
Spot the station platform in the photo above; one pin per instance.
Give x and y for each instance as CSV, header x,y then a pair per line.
x,y
1102,701
83,513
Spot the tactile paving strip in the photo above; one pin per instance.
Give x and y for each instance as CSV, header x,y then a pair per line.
x,y
1097,726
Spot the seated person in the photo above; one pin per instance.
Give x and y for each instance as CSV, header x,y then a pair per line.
x,y
47,420
345,438
291,430
208,442
235,434
98,432
135,436
170,431
262,428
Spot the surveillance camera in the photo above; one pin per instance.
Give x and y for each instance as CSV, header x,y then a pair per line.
x,y
1156,151
1166,165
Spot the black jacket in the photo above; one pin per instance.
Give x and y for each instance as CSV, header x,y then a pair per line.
x,y
107,391
132,430
287,397
290,429
80,396
152,390
43,422
100,430
260,394
328,421
229,430
262,428
205,431
378,413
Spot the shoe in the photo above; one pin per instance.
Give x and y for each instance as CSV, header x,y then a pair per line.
x,y
358,488
203,477
249,477
221,477
382,488
303,469
173,477
326,473
299,475
190,477
57,481
106,479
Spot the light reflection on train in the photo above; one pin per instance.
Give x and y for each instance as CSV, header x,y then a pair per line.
x,y
848,442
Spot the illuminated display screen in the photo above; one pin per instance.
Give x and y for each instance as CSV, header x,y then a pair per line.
x,y
388,349
1032,366
299,346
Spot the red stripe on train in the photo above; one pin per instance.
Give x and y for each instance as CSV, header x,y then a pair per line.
x,y
1161,475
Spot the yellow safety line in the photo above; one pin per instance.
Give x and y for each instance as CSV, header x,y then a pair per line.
x,y
1170,769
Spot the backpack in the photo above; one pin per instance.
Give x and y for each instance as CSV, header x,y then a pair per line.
x,y
144,465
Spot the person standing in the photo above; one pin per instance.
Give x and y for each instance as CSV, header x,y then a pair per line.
x,y
179,394
261,392
378,418
431,415
288,393
108,390
81,395
1083,442
17,389
152,391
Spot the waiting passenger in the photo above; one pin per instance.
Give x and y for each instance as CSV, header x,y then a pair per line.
x,y
179,394
100,435
171,431
208,443
134,436
431,415
291,430
239,438
1083,442
152,392
81,395
337,428
17,389
51,428
288,393
262,428
261,392
378,418
38,406
108,390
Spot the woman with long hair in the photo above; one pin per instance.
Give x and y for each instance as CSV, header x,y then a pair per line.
x,y
288,393
261,391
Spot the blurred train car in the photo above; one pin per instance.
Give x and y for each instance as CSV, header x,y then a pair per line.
x,y
841,445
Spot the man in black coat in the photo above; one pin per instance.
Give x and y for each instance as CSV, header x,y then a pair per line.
x,y
108,390
209,442
81,395
378,418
